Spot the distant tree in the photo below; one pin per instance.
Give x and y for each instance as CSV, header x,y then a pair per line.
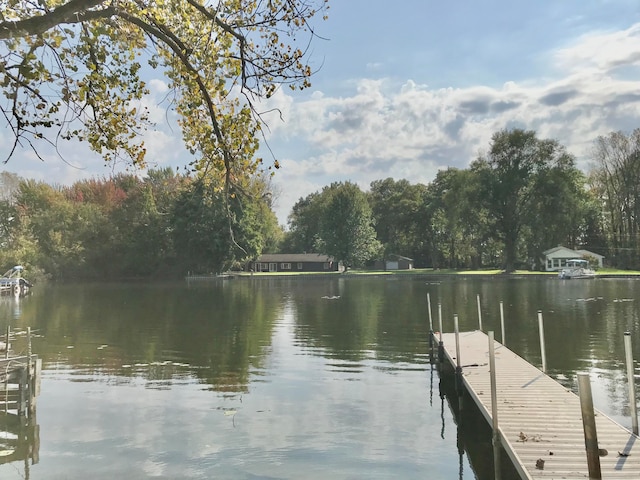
x,y
459,219
346,225
71,69
615,180
304,225
201,224
508,172
558,210
9,186
395,206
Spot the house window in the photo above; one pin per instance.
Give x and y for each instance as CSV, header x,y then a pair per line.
x,y
327,266
299,265
285,266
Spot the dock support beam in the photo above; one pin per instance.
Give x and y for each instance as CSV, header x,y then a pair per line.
x,y
495,440
630,378
458,362
542,346
440,343
504,342
430,325
589,425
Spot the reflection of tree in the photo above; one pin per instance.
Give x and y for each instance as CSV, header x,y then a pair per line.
x,y
370,315
215,331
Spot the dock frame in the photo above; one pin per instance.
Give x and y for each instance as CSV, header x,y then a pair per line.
x,y
540,421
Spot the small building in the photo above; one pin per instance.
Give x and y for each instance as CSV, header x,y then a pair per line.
x,y
295,262
394,262
556,258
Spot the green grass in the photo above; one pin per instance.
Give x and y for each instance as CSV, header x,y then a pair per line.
x,y
431,271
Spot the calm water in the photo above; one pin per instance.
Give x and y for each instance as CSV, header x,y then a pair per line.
x,y
289,379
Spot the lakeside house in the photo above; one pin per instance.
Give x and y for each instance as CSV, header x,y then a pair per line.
x,y
556,258
295,262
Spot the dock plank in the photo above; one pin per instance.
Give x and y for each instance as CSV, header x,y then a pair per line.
x,y
538,417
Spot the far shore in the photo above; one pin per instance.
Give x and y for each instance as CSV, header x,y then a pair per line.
x,y
422,272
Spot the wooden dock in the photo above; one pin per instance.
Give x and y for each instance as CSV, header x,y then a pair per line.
x,y
540,421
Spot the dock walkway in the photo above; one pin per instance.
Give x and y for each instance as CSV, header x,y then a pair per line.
x,y
540,421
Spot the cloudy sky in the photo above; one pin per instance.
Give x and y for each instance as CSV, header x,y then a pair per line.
x,y
405,91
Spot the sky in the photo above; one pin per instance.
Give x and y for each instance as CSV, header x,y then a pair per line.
x,y
404,89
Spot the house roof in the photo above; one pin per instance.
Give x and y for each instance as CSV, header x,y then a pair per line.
x,y
588,253
568,252
294,257
399,257
557,249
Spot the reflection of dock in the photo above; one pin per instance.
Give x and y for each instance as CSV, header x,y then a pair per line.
x,y
19,387
20,377
540,421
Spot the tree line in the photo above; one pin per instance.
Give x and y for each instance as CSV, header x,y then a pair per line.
x,y
521,197
163,225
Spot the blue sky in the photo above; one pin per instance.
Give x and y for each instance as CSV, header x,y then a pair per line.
x,y
404,89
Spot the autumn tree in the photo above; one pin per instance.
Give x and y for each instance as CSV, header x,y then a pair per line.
x,y
73,70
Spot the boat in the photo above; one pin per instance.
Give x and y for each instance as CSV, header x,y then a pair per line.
x,y
576,268
12,283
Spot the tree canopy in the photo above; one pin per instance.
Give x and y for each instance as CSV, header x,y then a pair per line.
x,y
73,69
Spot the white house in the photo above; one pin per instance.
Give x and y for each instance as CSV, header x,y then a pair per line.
x,y
556,258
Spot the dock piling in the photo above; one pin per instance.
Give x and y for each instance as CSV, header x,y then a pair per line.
x,y
630,378
440,344
502,323
495,440
459,385
542,346
430,324
479,313
589,425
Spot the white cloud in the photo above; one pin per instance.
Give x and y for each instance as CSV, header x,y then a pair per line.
x,y
411,131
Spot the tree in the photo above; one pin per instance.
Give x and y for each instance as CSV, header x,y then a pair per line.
x,y
304,225
515,158
459,220
202,220
615,179
346,229
72,69
395,205
559,211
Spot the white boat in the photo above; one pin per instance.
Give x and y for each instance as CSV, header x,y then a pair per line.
x,y
576,268
13,283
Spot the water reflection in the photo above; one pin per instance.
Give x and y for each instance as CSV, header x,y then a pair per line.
x,y
268,378
19,440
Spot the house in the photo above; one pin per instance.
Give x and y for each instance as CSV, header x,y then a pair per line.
x,y
295,262
556,258
394,262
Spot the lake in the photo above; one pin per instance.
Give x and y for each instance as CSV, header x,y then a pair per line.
x,y
290,378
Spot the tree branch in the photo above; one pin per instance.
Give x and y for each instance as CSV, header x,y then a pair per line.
x,y
74,11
